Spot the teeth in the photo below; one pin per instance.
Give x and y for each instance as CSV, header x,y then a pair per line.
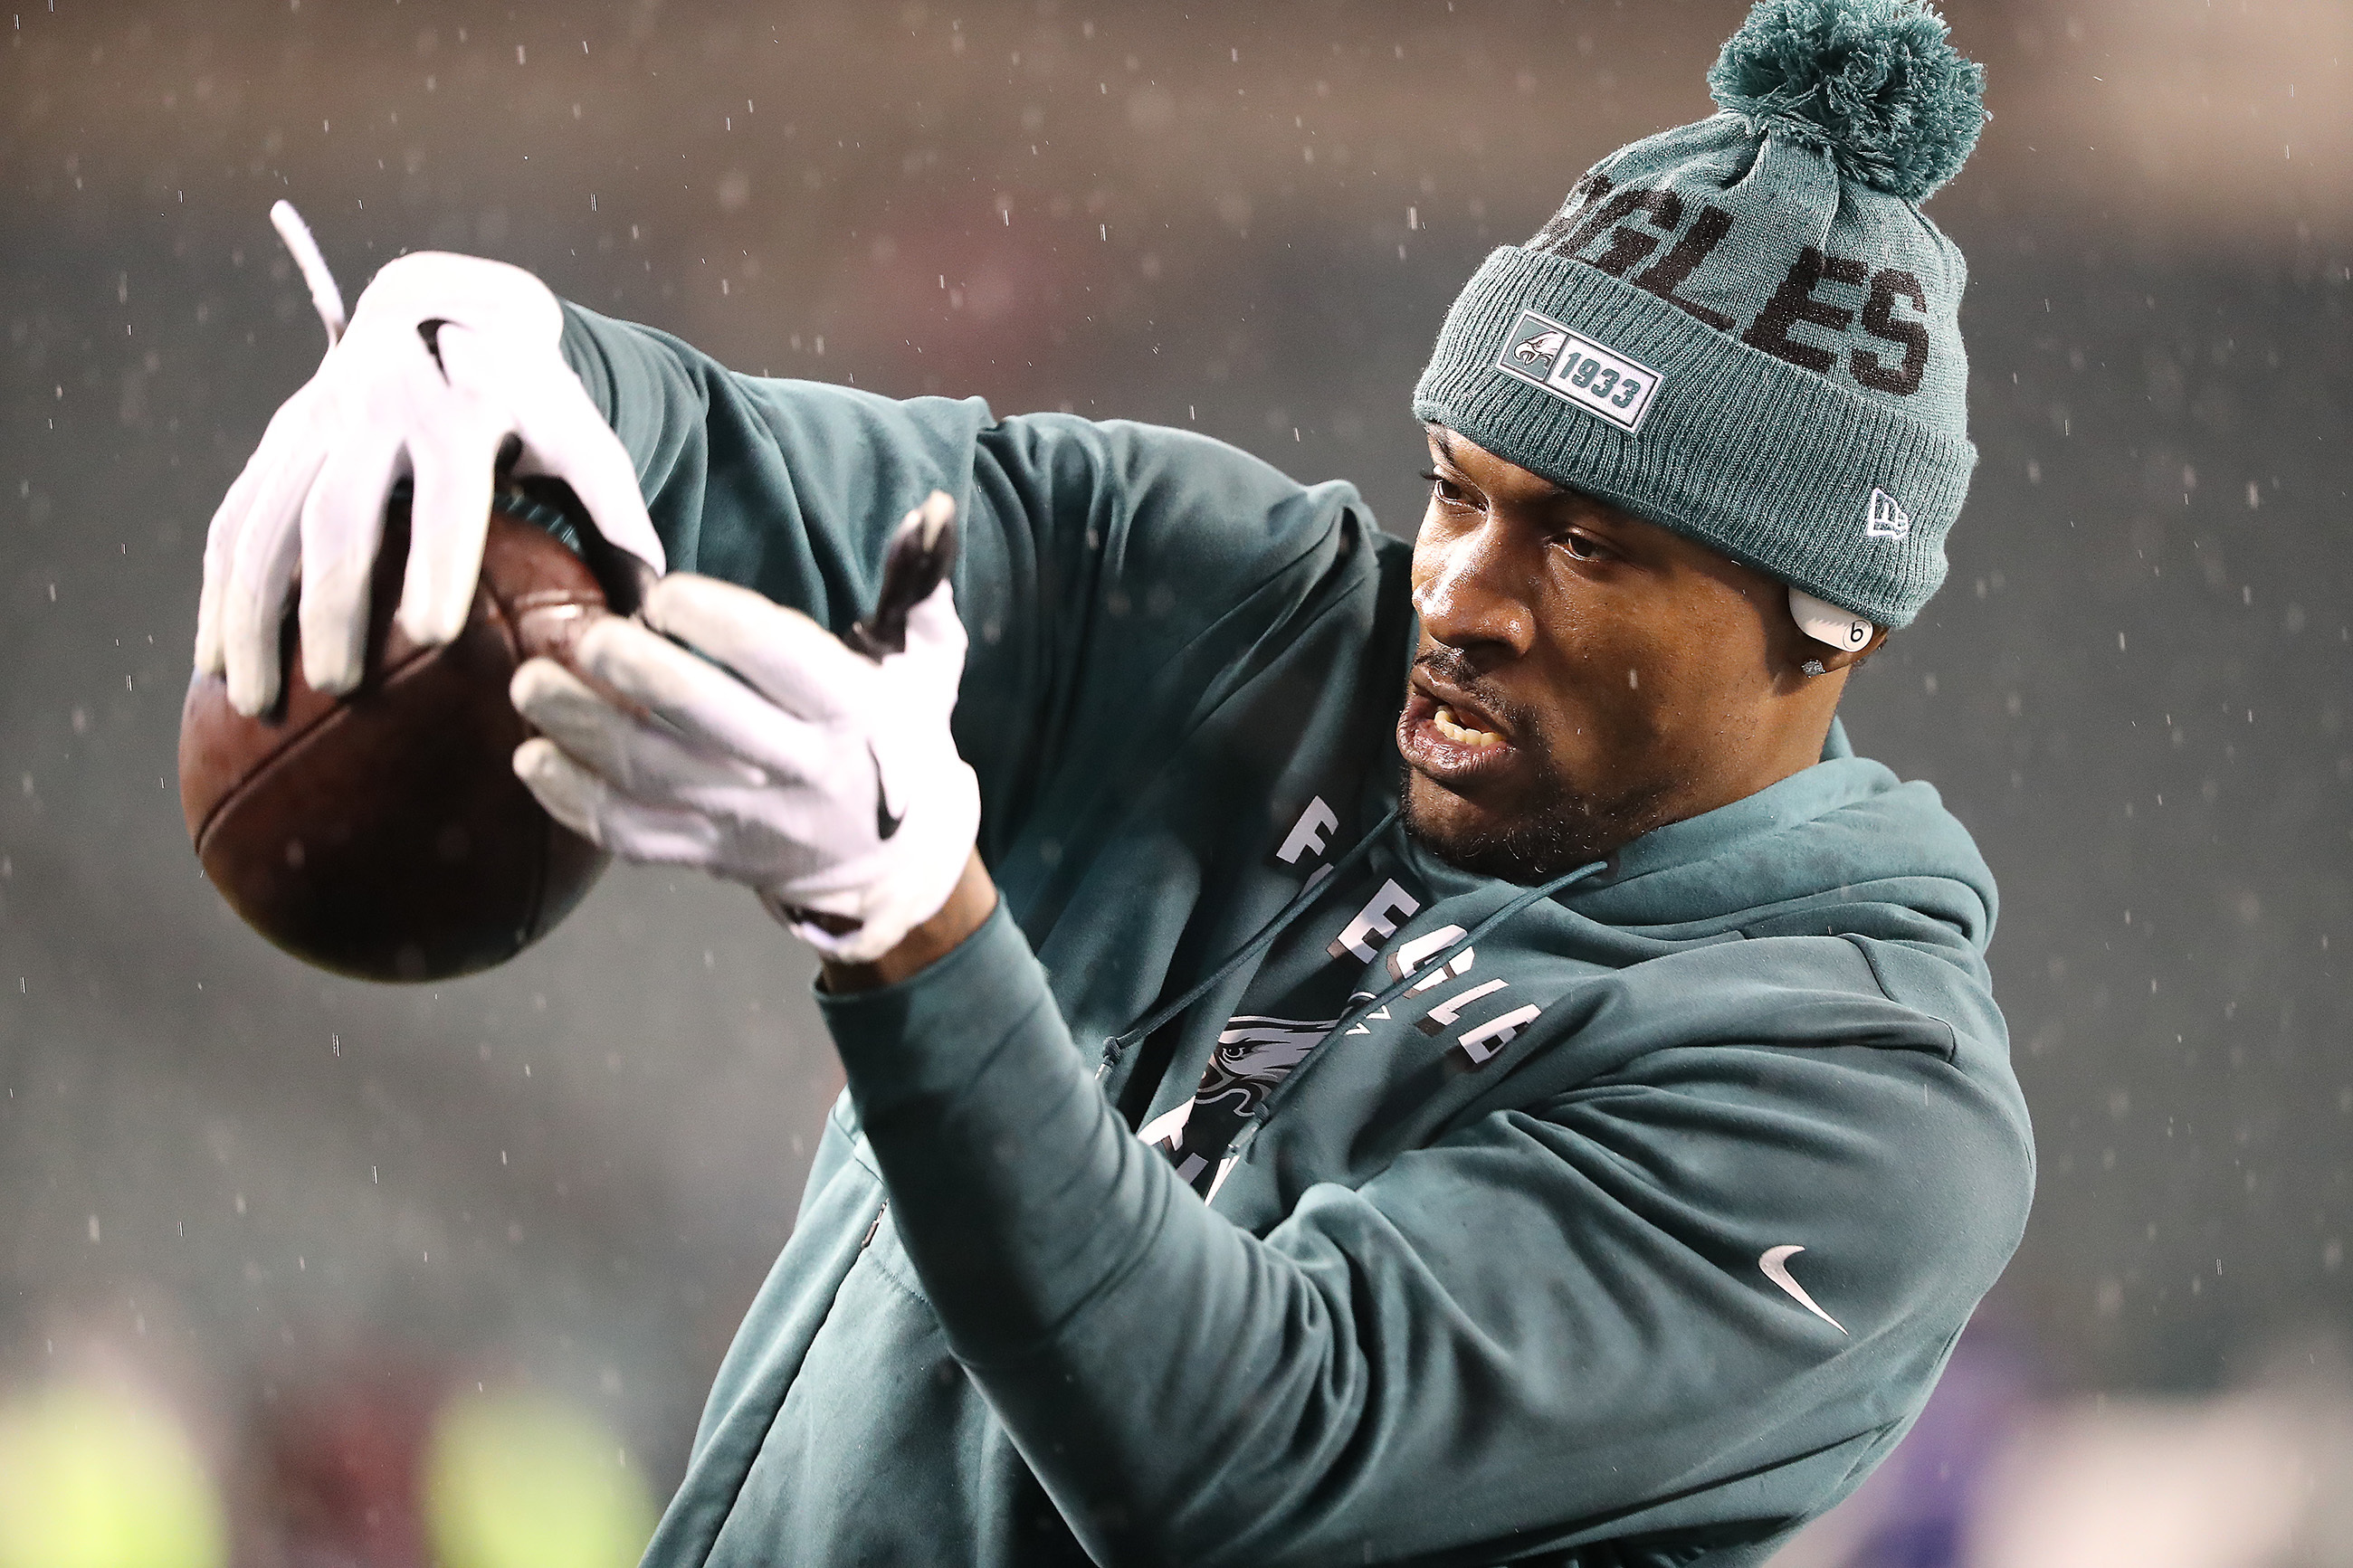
x,y
1463,734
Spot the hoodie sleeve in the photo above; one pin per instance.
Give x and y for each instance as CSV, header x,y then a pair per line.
x,y
1558,1324
1111,572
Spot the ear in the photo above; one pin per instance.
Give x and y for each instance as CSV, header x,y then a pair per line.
x,y
1847,658
1835,638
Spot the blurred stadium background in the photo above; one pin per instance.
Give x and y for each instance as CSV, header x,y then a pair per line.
x,y
295,1271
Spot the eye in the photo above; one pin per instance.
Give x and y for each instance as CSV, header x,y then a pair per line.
x,y
1448,491
1582,546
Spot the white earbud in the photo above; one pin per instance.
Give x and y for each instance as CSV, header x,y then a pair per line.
x,y
1826,623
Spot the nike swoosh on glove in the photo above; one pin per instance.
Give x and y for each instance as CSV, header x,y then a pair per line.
x,y
446,358
826,781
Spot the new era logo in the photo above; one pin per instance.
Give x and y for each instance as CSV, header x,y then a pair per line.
x,y
1887,518
1576,369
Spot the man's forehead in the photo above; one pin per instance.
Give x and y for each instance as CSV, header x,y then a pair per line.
x,y
1452,447
1623,525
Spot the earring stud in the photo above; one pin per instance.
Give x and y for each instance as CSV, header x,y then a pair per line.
x,y
1814,667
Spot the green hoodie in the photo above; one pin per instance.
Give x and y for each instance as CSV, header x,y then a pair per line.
x,y
1624,1220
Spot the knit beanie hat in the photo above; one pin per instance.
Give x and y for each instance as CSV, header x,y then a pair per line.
x,y
1745,330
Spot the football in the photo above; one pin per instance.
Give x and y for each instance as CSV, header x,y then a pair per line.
x,y
383,833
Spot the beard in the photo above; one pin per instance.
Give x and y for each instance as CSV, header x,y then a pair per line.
x,y
1556,836
1548,827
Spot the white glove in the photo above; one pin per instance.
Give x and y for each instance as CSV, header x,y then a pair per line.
x,y
824,780
446,358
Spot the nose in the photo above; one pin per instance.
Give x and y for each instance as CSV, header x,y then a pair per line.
x,y
1470,591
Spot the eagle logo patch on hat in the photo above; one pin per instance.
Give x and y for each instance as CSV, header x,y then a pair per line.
x,y
1576,369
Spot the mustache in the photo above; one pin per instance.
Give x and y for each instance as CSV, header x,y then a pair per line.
x,y
1452,666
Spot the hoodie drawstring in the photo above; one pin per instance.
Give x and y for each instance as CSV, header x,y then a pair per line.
x,y
1299,905
1533,895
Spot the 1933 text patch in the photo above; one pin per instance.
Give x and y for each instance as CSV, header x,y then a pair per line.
x,y
1575,368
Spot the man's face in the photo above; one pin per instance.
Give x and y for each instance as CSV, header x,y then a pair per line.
x,y
1584,676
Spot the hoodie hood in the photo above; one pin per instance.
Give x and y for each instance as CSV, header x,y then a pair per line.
x,y
1843,848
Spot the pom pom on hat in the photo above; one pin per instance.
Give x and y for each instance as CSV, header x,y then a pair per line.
x,y
1876,83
